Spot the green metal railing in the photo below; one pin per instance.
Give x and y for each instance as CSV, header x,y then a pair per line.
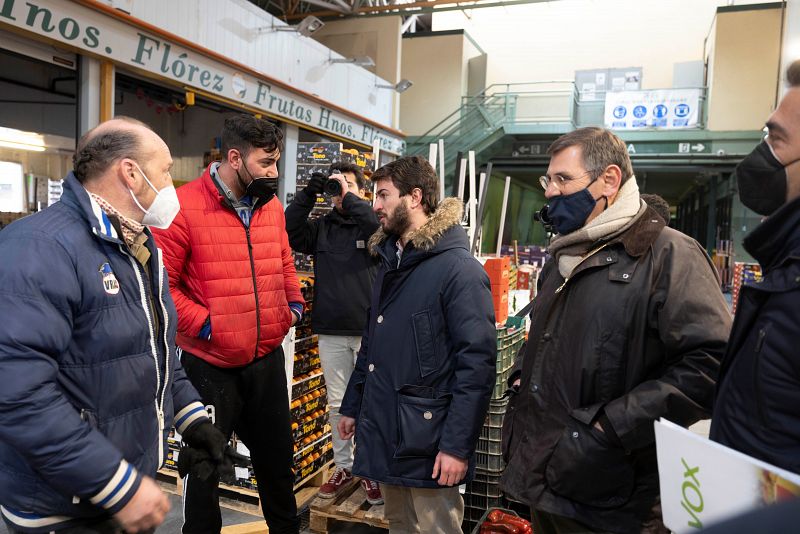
x,y
482,119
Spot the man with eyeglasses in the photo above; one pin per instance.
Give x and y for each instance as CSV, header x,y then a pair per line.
x,y
628,327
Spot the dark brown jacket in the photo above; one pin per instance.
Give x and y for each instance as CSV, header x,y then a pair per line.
x,y
635,334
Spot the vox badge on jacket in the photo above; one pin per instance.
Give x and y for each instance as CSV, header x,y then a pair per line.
x,y
110,282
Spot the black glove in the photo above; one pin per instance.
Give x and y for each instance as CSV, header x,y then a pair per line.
x,y
208,453
207,437
195,461
316,185
199,463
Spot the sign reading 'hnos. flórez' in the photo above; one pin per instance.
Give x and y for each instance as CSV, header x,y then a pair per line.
x,y
96,32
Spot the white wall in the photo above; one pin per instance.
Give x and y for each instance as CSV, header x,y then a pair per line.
x,y
436,65
229,27
743,75
551,40
791,37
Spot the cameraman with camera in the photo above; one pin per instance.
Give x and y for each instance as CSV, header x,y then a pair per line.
x,y
344,272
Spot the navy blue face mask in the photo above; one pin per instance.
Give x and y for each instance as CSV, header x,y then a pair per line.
x,y
569,212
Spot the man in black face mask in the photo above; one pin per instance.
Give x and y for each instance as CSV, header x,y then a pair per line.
x,y
759,388
629,326
232,277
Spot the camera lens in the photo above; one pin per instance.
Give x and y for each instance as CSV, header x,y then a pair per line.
x,y
333,188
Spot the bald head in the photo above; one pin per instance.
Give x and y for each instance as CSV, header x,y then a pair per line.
x,y
110,141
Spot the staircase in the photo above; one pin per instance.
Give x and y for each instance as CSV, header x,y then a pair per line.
x,y
547,107
477,124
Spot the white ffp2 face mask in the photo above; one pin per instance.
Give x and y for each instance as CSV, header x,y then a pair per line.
x,y
164,208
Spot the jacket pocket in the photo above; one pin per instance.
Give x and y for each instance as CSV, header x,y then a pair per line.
x,y
90,417
758,378
425,342
420,420
587,468
507,431
611,367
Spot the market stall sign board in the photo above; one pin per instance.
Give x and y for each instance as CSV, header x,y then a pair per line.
x,y
86,29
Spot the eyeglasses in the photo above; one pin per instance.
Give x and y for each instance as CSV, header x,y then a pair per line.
x,y
560,181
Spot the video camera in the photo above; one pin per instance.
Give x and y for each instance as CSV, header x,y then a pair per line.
x,y
543,217
332,187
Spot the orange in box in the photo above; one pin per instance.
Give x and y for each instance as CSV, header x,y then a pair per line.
x,y
498,270
500,307
500,291
498,265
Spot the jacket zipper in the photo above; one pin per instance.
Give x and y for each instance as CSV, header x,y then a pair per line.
x,y
762,334
255,288
159,411
588,255
166,352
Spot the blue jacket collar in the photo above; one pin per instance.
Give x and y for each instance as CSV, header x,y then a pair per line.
x,y
777,238
76,197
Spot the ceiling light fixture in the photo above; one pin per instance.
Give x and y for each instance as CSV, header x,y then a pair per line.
x,y
307,27
400,86
11,138
361,61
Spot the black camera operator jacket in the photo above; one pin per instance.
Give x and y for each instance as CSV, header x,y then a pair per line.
x,y
344,270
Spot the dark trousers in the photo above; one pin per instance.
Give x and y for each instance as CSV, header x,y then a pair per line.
x,y
547,523
251,401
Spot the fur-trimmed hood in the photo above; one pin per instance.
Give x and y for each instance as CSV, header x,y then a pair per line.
x,y
448,214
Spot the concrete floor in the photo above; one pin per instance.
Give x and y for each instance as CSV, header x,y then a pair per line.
x,y
238,522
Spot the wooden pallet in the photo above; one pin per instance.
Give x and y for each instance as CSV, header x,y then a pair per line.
x,y
351,506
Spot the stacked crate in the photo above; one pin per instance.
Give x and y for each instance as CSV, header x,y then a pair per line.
x,y
484,490
309,407
499,270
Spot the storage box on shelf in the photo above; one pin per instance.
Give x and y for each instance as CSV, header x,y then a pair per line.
x,y
499,270
305,361
317,401
313,456
743,273
306,383
309,426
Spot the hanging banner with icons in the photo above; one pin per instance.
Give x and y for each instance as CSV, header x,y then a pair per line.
x,y
662,109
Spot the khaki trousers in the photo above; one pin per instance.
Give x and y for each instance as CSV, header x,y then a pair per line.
x,y
423,510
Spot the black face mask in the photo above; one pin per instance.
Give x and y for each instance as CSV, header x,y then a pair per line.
x,y
762,181
262,187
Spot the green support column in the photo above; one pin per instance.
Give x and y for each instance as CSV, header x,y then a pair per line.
x,y
711,224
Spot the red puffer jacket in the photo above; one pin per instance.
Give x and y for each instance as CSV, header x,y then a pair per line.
x,y
211,271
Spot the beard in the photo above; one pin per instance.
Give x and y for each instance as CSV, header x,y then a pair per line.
x,y
399,221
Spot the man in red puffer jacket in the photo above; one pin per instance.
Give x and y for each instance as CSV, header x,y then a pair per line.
x,y
232,277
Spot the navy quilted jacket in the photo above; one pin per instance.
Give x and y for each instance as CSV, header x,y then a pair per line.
x,y
758,391
90,379
426,368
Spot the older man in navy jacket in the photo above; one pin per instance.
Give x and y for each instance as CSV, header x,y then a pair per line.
x,y
90,380
418,396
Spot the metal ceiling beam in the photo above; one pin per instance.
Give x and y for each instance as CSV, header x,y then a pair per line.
x,y
416,8
333,9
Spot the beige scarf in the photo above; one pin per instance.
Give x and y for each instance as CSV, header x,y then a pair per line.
x,y
571,249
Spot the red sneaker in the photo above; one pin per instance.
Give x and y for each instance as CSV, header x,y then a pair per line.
x,y
374,495
333,487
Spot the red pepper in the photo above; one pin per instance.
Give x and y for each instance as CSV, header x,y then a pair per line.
x,y
499,528
502,518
